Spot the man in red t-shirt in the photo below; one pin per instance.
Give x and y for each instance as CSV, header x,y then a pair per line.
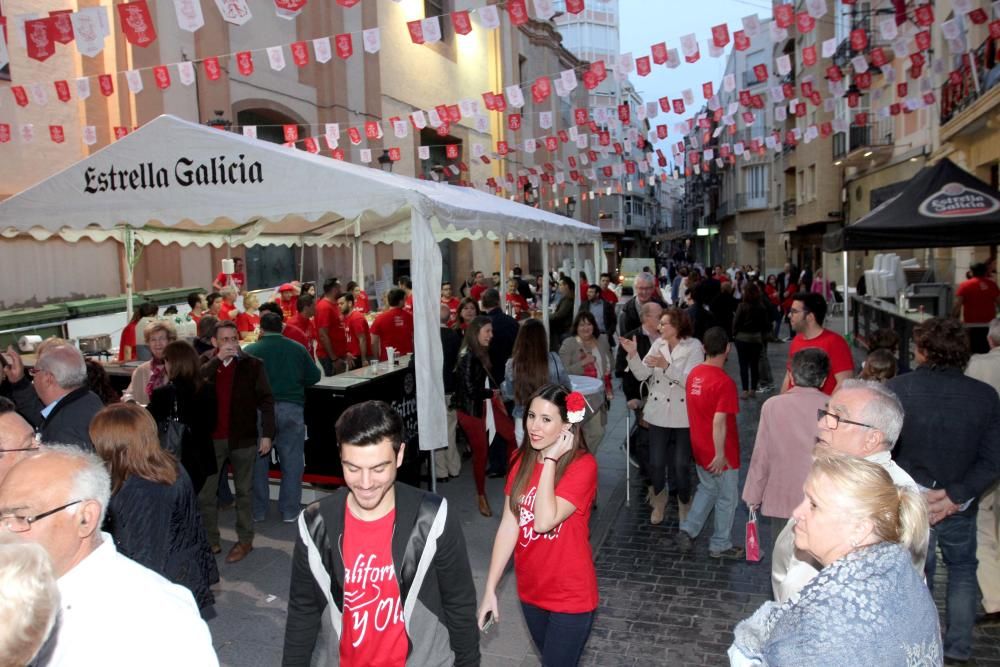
x,y
359,343
712,404
393,328
228,309
306,307
976,302
451,301
383,527
332,349
237,278
607,293
404,283
480,286
806,315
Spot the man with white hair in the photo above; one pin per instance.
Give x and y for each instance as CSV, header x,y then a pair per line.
x,y
113,611
16,436
29,601
986,368
54,396
645,290
861,419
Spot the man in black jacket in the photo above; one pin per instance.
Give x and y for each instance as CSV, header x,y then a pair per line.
x,y
55,399
603,312
950,445
645,292
447,460
644,335
380,569
504,332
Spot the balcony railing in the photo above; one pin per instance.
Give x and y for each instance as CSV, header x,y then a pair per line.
x,y
724,209
956,97
788,208
856,138
746,201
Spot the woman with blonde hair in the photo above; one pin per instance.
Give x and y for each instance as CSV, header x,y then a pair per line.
x,y
153,513
153,373
29,601
868,605
248,322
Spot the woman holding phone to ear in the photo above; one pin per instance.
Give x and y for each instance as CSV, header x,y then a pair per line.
x,y
545,526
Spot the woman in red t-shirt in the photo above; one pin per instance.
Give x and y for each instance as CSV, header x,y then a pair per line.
x,y
545,525
468,310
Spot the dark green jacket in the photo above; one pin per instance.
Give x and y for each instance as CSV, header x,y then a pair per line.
x,y
289,367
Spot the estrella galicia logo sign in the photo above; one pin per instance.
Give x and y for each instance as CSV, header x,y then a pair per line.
x,y
955,200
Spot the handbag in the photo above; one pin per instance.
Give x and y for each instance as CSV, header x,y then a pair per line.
x,y
172,431
752,539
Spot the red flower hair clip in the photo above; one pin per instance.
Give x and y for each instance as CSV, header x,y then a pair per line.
x,y
576,407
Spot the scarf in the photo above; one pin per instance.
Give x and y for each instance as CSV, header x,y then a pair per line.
x,y
158,377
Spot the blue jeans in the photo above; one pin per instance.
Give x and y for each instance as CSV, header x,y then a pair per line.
x,y
289,443
718,492
559,638
956,536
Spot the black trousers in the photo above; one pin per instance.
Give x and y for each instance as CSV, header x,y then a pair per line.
x,y
749,356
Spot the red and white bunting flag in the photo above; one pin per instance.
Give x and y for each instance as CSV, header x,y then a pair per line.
x,y
290,132
40,43
89,135
541,89
399,128
56,134
451,151
62,25
347,3
90,27
979,16
321,47
236,12
83,88
740,41
809,55
136,22
62,90
276,58
720,35
461,22
310,144
706,90
4,133
372,129
337,154
489,17
27,132
365,155
431,29
354,134
923,15
419,119
515,96
300,53
134,80
189,16
185,70
344,45
395,154
784,15
106,84
244,63
416,31
517,11
659,52
289,9
859,39
120,132
574,6
804,22
161,74
212,69
372,40
424,152
642,66
544,9
250,131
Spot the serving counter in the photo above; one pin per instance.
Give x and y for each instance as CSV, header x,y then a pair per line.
x,y
870,314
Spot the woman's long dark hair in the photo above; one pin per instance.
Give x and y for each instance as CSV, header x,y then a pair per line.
x,y
470,344
530,360
556,395
185,367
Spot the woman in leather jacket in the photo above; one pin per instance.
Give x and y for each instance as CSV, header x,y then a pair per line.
x,y
477,403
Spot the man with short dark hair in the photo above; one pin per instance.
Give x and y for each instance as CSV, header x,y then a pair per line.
x,y
602,310
447,460
712,404
607,293
289,330
242,392
196,300
54,396
950,446
379,545
305,307
359,343
806,315
332,349
214,303
392,328
480,285
289,370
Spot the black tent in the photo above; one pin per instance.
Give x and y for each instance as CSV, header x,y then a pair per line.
x,y
942,206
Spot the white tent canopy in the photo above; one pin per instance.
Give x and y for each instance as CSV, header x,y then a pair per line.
x,y
176,181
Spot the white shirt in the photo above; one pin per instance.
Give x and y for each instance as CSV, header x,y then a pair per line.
x,y
117,613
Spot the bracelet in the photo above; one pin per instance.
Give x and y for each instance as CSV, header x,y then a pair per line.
x,y
549,458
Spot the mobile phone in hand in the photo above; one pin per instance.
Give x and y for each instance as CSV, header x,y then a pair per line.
x,y
488,622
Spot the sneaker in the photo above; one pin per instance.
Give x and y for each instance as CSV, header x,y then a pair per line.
x,y
684,542
291,520
731,552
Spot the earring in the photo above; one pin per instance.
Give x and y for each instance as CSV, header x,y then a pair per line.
x,y
854,544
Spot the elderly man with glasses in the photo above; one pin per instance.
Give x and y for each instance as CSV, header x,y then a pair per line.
x,y
646,291
861,419
16,436
54,396
114,612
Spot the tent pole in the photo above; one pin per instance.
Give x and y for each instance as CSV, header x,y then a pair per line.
x,y
502,287
847,301
576,278
545,284
128,242
302,260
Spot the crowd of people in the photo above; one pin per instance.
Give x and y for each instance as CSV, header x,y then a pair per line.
x,y
856,481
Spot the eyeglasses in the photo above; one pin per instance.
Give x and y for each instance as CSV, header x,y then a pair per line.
x,y
833,420
22,524
36,370
17,449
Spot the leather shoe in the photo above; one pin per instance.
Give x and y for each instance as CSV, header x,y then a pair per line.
x,y
238,552
992,618
484,506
